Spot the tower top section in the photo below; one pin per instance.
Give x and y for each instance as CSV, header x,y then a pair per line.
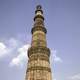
x,y
38,9
38,20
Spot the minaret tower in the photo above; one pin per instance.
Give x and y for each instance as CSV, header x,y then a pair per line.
x,y
38,67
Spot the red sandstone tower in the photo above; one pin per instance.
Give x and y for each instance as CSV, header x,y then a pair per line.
x,y
38,67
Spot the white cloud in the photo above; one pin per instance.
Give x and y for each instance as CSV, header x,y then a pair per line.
x,y
12,45
54,78
75,77
7,47
12,42
3,50
54,58
21,57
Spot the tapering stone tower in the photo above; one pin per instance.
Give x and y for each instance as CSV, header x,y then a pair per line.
x,y
38,64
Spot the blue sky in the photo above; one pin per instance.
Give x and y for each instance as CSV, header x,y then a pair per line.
x,y
62,20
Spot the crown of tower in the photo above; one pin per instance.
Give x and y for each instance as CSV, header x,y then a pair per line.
x,y
38,12
38,20
39,9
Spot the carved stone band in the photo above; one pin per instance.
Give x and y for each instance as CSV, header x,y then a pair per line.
x,y
38,16
39,68
41,57
40,49
38,28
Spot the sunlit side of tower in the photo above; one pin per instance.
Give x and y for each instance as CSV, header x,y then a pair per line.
x,y
38,67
